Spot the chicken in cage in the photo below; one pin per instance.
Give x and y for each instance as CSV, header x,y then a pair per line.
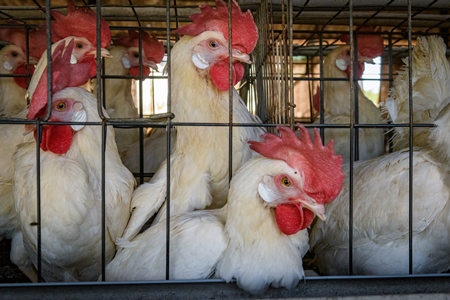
x,y
157,141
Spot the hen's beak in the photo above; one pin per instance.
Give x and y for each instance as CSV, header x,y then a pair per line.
x,y
103,53
151,64
318,209
240,56
33,60
365,59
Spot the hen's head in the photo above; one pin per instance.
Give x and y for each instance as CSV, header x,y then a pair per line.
x,y
58,138
37,41
152,54
369,46
315,177
81,22
14,61
209,52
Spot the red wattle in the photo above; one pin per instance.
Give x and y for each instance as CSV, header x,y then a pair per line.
x,y
22,81
316,99
219,74
291,218
361,68
134,71
56,138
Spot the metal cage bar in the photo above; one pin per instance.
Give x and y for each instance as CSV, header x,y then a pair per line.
x,y
287,29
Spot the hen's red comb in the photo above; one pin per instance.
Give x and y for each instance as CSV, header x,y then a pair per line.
x,y
369,45
322,169
80,21
153,49
244,30
64,74
17,36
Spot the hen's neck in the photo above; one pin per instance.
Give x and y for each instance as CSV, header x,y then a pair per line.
x,y
194,96
337,95
12,97
118,91
247,217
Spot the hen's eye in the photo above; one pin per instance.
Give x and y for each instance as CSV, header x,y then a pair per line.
x,y
213,44
79,45
14,54
61,106
285,181
136,55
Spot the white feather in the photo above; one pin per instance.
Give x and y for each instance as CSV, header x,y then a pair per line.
x,y
381,215
337,100
241,241
71,199
198,174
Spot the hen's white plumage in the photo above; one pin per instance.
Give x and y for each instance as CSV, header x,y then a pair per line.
x,y
119,101
71,199
199,162
381,217
10,136
240,241
246,240
71,182
128,60
430,91
155,151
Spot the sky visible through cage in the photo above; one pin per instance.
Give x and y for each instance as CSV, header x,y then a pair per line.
x,y
372,87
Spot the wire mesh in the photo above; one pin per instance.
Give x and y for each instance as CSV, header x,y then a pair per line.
x,y
287,69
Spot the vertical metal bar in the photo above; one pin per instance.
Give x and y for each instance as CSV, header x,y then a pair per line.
x,y
141,100
141,107
390,70
104,120
410,224
355,92
169,109
321,87
38,199
98,41
352,102
230,93
103,203
39,139
291,63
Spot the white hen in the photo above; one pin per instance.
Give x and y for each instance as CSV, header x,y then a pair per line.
x,y
71,180
381,216
336,73
12,89
260,236
125,61
199,173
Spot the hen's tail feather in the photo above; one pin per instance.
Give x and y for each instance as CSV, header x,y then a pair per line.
x,y
431,88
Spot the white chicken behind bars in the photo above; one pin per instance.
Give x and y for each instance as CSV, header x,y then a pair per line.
x,y
199,174
381,216
71,180
12,134
14,61
337,98
125,60
260,236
